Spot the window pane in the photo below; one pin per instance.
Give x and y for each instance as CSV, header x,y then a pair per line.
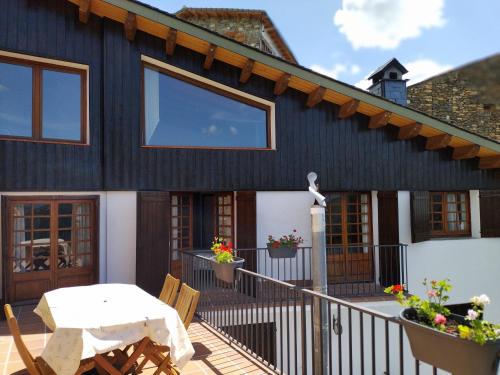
x,y
178,113
61,105
16,93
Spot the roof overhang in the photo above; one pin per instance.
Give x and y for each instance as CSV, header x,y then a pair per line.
x,y
319,87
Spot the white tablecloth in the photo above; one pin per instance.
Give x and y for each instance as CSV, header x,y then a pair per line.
x,y
87,320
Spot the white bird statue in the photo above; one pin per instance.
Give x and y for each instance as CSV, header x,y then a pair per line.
x,y
313,189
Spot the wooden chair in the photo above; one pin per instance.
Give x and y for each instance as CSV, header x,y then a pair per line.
x,y
169,290
186,304
35,366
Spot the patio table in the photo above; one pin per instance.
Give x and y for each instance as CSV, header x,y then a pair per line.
x,y
96,319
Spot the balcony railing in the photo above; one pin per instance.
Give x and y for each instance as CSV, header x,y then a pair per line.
x,y
353,271
274,320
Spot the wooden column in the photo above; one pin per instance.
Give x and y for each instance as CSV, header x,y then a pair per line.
x,y
171,41
209,58
130,26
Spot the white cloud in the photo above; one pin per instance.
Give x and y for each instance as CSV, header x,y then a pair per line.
x,y
212,129
418,70
385,23
233,130
3,88
336,70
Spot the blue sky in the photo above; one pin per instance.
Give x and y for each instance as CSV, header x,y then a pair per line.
x,y
348,39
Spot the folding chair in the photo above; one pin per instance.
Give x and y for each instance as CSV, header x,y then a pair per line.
x,y
169,290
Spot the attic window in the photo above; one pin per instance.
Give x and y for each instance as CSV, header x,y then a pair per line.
x,y
393,75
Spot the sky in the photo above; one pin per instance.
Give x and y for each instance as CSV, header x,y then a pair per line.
x,y
349,39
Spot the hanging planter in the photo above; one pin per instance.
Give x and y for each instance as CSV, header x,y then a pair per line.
x,y
447,351
285,247
459,344
224,262
282,251
225,271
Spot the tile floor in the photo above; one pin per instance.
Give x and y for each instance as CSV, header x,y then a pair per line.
x,y
213,354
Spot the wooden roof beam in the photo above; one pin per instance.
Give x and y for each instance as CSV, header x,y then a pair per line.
x,y
209,58
466,152
282,84
246,71
410,131
379,120
438,141
489,162
348,109
315,96
130,26
171,41
84,10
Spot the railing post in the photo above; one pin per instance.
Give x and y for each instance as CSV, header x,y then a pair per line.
x,y
320,308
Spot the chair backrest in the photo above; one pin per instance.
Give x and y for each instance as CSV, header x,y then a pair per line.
x,y
169,290
186,304
26,356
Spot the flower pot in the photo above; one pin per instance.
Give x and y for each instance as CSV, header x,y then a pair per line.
x,y
225,271
449,352
282,251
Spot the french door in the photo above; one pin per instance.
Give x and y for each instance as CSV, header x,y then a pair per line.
x,y
50,243
349,237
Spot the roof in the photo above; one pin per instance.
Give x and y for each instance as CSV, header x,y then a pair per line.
x,y
270,28
387,65
159,23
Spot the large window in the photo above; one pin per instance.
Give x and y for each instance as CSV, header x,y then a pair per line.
x,y
42,102
182,111
450,214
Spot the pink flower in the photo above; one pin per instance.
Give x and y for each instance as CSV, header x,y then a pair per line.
x,y
432,293
472,314
439,319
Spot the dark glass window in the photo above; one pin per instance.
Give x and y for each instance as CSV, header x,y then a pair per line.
x,y
16,92
42,102
61,105
185,114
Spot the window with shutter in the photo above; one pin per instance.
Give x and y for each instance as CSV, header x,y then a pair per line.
x,y
450,213
489,206
420,223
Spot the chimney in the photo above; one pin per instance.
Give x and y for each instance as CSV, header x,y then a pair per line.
x,y
388,82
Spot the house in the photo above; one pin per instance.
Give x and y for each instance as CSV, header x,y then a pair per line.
x,y
129,134
468,96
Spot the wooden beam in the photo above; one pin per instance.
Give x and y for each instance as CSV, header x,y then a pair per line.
x,y
348,109
130,26
209,58
410,131
438,141
84,11
315,96
489,162
282,84
171,41
379,120
246,71
466,152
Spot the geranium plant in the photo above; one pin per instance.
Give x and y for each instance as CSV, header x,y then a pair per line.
x,y
288,240
433,313
223,252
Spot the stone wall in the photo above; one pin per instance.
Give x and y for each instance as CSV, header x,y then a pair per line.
x,y
467,97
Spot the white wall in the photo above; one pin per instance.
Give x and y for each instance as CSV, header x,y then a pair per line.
x,y
471,264
121,236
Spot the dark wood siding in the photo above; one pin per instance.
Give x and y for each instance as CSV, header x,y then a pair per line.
x,y
345,153
489,202
153,240
50,28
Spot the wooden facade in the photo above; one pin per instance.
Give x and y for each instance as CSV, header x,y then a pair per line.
x,y
345,153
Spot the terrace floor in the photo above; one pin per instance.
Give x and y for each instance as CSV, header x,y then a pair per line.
x,y
213,354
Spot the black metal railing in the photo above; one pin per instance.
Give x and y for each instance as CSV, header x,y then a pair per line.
x,y
274,320
353,271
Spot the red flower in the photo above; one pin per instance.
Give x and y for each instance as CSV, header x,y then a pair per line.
x,y
275,244
397,288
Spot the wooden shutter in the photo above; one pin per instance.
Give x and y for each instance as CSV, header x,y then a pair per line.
x,y
388,235
420,219
489,206
153,240
246,226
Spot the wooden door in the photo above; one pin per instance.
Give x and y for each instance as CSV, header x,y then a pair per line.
x,y
153,240
246,230
388,227
50,243
349,237
181,227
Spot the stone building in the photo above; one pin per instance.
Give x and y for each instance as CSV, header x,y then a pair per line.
x,y
468,97
250,26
